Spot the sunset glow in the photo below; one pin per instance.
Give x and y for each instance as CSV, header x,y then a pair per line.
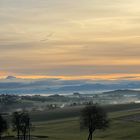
x,y
75,39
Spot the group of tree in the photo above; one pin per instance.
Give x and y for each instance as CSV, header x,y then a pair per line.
x,y
93,117
20,123
3,126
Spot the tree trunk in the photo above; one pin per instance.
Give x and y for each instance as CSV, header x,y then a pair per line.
x,y
29,133
18,134
90,136
24,135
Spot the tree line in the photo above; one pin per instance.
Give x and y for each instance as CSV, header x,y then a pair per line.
x,y
21,124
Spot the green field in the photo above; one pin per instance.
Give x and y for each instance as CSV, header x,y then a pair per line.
x,y
65,124
71,112
120,128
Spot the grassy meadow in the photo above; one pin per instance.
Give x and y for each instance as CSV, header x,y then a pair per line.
x,y
124,125
64,124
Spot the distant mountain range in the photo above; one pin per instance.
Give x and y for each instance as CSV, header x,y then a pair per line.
x,y
13,85
95,87
123,92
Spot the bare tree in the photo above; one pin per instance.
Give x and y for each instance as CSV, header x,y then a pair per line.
x,y
16,119
21,124
3,126
25,125
93,117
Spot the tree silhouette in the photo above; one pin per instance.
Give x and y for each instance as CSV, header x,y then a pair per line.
x,y
3,126
16,123
21,124
25,125
93,117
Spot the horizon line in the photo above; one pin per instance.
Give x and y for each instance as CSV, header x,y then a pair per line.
x,y
116,76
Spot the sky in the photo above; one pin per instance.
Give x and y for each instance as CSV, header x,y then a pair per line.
x,y
94,39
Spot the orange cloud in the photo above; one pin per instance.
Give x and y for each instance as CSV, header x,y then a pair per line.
x,y
91,77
